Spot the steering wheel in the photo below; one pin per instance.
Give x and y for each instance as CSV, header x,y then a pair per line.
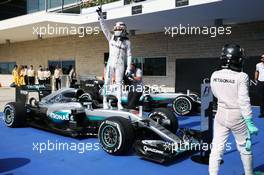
x,y
33,102
86,97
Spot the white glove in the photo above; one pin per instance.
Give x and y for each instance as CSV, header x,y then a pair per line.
x,y
127,72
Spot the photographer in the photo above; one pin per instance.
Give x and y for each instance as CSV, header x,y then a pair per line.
x,y
135,87
259,78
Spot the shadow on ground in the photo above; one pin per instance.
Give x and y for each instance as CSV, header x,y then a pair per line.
x,y
9,164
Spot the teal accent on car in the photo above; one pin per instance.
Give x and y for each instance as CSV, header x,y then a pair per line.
x,y
159,98
124,99
95,118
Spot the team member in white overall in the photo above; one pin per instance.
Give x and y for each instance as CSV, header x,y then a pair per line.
x,y
119,51
230,86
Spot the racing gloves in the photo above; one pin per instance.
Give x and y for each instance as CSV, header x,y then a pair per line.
x,y
252,129
250,125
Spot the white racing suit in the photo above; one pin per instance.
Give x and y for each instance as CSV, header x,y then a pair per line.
x,y
231,90
119,50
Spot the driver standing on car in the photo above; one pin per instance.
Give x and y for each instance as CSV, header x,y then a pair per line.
x,y
230,86
119,52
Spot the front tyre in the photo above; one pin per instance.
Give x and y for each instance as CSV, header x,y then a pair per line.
x,y
166,118
116,135
182,105
14,115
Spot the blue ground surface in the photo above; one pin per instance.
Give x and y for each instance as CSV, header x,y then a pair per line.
x,y
17,156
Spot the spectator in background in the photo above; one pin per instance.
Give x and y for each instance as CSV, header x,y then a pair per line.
x,y
26,74
40,75
39,72
259,78
14,76
72,76
57,76
31,75
20,76
47,75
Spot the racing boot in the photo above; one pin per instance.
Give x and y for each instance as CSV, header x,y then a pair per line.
x,y
119,106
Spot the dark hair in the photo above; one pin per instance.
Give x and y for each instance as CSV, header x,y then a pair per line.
x,y
133,64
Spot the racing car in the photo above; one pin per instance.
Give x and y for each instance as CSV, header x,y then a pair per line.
x,y
69,111
182,103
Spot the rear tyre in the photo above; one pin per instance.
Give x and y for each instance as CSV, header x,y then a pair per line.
x,y
116,135
166,118
14,115
182,105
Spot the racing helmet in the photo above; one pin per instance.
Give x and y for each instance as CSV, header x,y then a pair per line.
x,y
232,57
120,29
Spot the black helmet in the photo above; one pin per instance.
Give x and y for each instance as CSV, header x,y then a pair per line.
x,y
232,57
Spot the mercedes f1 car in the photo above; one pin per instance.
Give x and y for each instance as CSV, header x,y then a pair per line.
x,y
181,103
69,111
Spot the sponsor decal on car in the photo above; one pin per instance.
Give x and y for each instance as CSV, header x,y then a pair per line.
x,y
111,123
23,92
60,115
153,150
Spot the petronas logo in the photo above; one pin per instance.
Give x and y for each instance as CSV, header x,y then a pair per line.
x,y
60,115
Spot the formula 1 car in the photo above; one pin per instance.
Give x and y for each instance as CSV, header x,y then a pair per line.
x,y
181,103
69,111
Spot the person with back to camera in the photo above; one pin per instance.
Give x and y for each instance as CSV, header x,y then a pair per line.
x,y
230,87
119,52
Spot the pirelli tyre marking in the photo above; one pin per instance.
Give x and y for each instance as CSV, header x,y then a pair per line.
x,y
8,115
182,105
14,114
111,136
116,135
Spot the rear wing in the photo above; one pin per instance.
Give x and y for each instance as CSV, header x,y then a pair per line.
x,y
26,92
